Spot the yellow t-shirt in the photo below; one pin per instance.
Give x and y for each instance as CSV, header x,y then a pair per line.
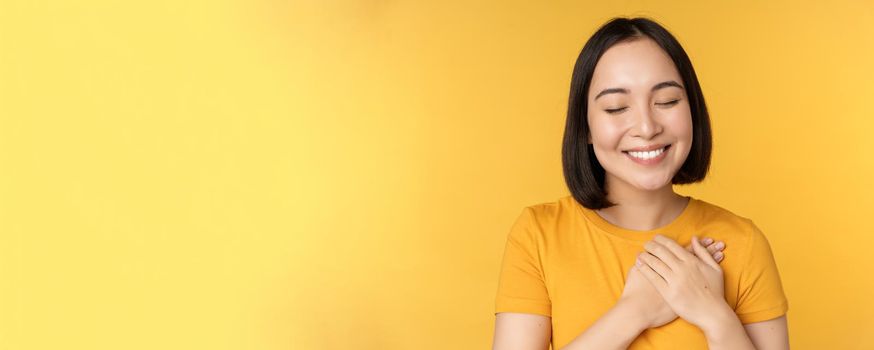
x,y
565,261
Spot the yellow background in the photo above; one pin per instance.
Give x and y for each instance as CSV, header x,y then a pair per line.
x,y
343,174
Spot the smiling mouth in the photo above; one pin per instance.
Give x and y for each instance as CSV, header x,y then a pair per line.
x,y
645,155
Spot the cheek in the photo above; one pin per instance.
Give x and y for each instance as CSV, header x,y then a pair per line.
x,y
604,134
680,125
606,137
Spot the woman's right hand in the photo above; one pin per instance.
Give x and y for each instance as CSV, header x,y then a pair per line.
x,y
645,300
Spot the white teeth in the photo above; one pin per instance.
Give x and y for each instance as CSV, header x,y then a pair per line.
x,y
647,155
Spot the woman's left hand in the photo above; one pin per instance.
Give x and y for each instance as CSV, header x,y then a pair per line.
x,y
692,284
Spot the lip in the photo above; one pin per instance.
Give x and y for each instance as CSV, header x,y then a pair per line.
x,y
646,148
652,161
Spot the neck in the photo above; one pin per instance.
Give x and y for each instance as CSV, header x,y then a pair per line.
x,y
641,210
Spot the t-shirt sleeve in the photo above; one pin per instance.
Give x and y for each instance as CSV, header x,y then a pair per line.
x,y
761,296
521,286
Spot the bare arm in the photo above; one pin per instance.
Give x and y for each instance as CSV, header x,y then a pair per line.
x,y
520,331
731,334
769,335
616,329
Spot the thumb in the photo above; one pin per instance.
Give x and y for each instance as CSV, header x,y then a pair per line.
x,y
703,254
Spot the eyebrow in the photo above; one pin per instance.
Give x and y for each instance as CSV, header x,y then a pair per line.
x,y
661,85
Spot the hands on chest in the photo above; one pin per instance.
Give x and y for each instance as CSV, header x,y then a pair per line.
x,y
669,281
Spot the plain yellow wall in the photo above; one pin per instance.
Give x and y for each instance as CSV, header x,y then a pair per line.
x,y
343,174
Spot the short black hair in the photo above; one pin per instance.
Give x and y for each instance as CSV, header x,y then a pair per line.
x,y
582,172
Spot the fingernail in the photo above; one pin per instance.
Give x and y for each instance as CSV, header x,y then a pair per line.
x,y
718,255
708,240
720,245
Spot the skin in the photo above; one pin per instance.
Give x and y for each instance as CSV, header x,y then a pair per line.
x,y
668,281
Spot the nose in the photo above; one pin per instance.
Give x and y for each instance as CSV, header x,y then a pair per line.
x,y
645,125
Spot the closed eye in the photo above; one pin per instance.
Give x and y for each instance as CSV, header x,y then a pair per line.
x,y
669,103
617,110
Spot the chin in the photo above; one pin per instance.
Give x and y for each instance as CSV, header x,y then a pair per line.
x,y
652,184
651,187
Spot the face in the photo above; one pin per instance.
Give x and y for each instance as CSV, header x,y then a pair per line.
x,y
639,117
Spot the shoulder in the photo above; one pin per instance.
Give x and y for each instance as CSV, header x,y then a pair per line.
x,y
550,212
545,210
715,215
545,218
712,212
731,227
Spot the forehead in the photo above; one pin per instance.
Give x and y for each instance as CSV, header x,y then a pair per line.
x,y
636,65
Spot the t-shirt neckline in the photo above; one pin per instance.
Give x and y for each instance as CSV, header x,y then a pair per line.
x,y
669,230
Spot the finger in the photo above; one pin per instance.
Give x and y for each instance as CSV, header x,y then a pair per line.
x,y
663,253
653,278
717,254
674,247
713,248
703,254
707,242
656,264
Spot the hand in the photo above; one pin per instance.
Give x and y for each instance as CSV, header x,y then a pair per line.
x,y
643,297
690,283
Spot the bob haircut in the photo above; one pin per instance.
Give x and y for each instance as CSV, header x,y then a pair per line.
x,y
582,172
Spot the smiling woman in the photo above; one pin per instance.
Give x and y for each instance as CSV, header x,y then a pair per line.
x,y
650,119
618,263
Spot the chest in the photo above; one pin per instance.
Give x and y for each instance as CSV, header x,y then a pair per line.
x,y
585,277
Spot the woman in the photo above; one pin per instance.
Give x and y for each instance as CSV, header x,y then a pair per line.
x,y
604,267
